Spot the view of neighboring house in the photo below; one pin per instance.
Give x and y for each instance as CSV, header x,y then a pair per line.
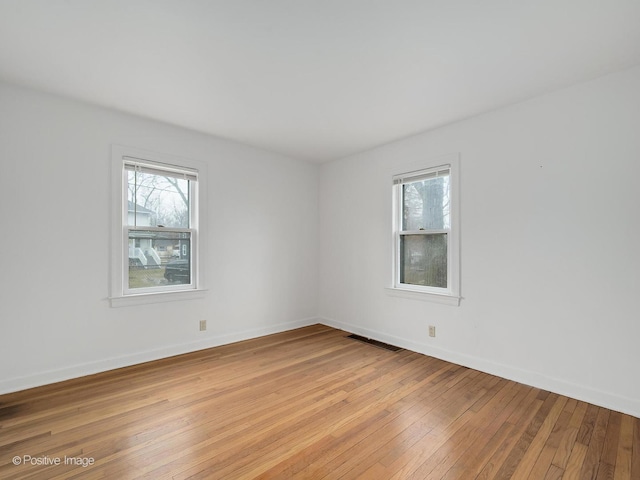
x,y
138,215
141,249
148,248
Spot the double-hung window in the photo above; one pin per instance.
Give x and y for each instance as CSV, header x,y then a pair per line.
x,y
426,246
156,225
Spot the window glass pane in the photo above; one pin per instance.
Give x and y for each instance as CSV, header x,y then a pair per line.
x,y
425,204
156,200
159,258
423,260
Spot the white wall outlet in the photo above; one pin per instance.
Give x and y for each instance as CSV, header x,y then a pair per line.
x,y
432,330
203,325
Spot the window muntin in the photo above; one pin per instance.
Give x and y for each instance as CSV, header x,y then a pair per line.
x,y
423,236
159,227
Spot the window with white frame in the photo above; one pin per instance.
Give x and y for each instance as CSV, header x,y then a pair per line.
x,y
156,224
426,253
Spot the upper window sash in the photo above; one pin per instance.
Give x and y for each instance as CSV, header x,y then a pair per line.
x,y
190,176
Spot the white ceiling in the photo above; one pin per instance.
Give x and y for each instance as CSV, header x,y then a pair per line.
x,y
313,79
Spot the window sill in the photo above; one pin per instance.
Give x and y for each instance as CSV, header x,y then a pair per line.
x,y
149,298
424,296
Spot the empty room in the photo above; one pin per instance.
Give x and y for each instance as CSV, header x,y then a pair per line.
x,y
320,239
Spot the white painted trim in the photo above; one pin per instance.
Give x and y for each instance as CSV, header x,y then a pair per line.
x,y
118,296
442,298
81,370
619,403
585,393
157,297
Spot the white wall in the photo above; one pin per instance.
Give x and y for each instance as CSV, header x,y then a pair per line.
x,y
55,319
550,243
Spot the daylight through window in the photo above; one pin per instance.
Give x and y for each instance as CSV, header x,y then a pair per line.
x,y
423,231
160,227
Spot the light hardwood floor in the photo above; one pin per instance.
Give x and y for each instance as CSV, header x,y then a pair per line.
x,y
310,403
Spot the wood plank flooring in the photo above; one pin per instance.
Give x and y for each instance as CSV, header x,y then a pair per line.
x,y
309,403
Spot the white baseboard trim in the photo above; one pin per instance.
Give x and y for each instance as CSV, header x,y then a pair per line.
x,y
81,370
618,403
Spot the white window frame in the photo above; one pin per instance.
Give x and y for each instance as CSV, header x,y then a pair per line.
x,y
120,294
451,294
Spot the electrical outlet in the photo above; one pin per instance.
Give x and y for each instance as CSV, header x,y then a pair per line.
x,y
203,325
432,330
